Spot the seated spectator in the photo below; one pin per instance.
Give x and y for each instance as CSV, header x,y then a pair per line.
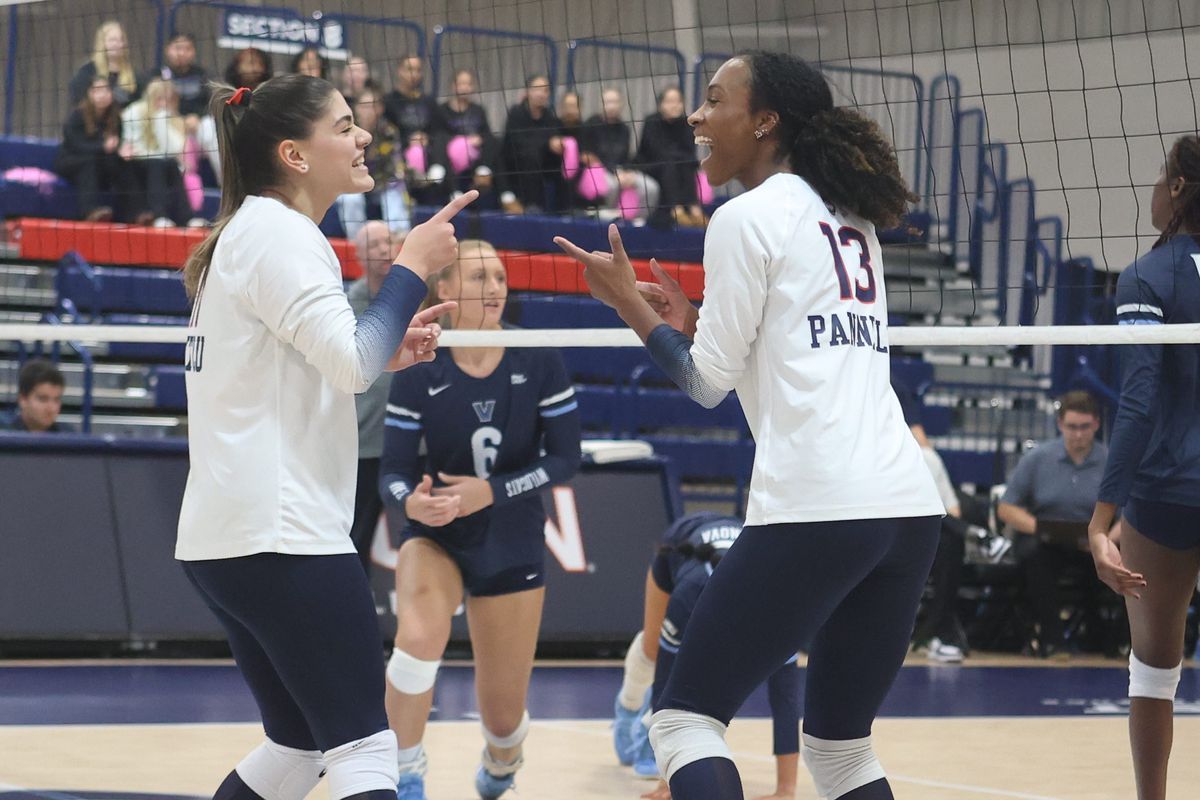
x,y
155,138
472,150
389,200
250,67
607,137
110,60
531,153
90,158
355,75
1058,481
577,179
309,61
667,153
190,80
39,399
422,130
376,247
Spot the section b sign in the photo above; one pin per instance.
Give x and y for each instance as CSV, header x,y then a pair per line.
x,y
281,31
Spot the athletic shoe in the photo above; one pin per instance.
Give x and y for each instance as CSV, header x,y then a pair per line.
x,y
944,652
995,548
624,724
491,786
646,768
411,786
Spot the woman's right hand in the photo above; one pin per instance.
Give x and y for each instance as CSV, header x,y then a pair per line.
x,y
421,506
668,301
431,245
111,143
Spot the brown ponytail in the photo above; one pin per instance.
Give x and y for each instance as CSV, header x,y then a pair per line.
x,y
248,133
843,154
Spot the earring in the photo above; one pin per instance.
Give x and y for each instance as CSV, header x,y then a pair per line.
x,y
304,167
760,133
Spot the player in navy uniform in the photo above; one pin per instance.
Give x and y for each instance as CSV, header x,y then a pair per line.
x,y
499,426
274,355
1153,467
843,516
691,548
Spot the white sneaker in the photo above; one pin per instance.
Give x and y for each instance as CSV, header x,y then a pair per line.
x,y
996,548
944,652
164,222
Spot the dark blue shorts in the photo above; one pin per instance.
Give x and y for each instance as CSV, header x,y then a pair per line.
x,y
846,592
487,572
305,636
1171,525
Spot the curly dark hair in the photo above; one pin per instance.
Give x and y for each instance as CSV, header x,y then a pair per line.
x,y
1183,161
842,154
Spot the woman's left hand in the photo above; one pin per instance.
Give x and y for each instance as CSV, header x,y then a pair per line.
x,y
474,494
610,276
421,340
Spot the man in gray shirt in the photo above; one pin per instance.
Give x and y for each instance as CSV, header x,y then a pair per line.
x,y
1058,480
376,247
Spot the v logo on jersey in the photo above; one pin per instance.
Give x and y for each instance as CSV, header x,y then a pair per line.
x,y
517,378
484,409
438,389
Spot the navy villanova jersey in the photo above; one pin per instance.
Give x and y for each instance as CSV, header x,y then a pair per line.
x,y
670,569
1154,450
518,428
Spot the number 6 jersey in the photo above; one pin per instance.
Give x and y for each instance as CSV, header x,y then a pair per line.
x,y
518,428
795,321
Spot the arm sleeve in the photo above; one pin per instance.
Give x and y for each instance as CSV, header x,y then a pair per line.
x,y
1018,490
1141,365
558,414
402,432
736,256
299,298
783,695
672,352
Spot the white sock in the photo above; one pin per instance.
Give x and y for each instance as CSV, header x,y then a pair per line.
x,y
412,759
639,675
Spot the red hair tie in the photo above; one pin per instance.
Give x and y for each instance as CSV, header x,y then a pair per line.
x,y
240,98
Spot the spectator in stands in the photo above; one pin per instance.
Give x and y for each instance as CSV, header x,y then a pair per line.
x,y
389,200
579,182
376,247
191,80
1058,481
90,157
608,136
110,60
39,399
531,151
250,68
355,75
309,61
472,149
422,130
667,153
154,135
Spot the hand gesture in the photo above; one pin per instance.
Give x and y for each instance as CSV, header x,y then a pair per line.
x,y
431,245
1110,569
471,493
660,792
423,507
668,300
421,340
610,277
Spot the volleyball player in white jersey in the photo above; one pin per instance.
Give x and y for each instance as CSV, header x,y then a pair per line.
x,y
274,356
843,517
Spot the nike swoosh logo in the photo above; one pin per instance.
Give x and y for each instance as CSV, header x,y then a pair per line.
x,y
438,389
531,577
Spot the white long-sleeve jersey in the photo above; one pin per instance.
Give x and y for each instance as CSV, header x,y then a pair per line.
x,y
795,321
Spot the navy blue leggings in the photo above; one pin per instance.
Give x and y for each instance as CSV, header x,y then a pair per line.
x,y
304,633
844,592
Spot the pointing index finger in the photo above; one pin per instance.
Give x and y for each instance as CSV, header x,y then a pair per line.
x,y
448,211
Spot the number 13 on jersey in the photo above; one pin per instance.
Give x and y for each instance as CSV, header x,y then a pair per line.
x,y
844,238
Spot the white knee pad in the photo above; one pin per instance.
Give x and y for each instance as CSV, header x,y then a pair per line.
x,y
1152,682
840,766
681,737
411,675
276,772
513,739
362,765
